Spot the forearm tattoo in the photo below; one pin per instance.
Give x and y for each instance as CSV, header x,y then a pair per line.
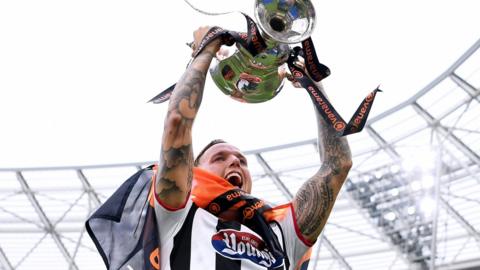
x,y
314,202
176,161
316,197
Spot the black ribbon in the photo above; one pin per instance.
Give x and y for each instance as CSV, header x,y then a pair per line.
x,y
255,44
163,96
318,72
252,41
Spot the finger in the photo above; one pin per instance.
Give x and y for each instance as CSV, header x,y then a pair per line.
x,y
191,45
296,84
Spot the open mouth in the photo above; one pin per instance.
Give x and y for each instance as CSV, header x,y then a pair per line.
x,y
235,179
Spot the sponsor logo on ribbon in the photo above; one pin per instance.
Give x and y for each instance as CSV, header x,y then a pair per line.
x,y
359,118
339,126
250,211
297,74
214,208
310,59
234,195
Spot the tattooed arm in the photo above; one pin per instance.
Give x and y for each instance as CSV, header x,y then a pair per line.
x,y
314,200
174,177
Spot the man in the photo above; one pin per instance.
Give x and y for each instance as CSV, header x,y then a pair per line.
x,y
193,238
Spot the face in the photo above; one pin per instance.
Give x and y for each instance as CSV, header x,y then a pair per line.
x,y
227,161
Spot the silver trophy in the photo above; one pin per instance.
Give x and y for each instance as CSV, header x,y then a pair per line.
x,y
258,78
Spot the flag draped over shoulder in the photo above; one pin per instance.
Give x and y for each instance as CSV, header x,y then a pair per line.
x,y
124,228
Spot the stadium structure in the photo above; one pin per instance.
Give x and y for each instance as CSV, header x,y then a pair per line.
x,y
411,201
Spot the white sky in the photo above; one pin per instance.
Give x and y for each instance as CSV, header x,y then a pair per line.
x,y
75,75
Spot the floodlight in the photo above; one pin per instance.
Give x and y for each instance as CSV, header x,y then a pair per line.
x,y
390,216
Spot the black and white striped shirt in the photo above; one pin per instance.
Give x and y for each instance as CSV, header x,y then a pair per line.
x,y
193,239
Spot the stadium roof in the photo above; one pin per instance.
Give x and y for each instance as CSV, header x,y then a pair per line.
x,y
411,201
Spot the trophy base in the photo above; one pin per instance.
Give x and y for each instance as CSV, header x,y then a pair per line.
x,y
246,80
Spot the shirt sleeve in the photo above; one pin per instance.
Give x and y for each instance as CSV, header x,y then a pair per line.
x,y
298,248
170,220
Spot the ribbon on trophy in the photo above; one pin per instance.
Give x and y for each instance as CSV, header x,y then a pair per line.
x,y
255,44
317,72
251,40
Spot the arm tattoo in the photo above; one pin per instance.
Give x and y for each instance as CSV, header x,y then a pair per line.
x,y
314,201
188,96
316,197
333,151
174,159
174,179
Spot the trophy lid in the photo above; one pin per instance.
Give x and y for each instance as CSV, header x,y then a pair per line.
x,y
286,21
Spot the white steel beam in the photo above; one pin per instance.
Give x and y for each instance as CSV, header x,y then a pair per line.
x,y
471,91
431,85
445,132
4,262
278,182
46,222
465,224
88,188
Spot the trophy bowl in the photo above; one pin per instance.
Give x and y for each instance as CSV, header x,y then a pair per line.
x,y
257,78
286,21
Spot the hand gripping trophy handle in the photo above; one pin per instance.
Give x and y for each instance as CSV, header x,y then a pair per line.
x,y
255,78
252,73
